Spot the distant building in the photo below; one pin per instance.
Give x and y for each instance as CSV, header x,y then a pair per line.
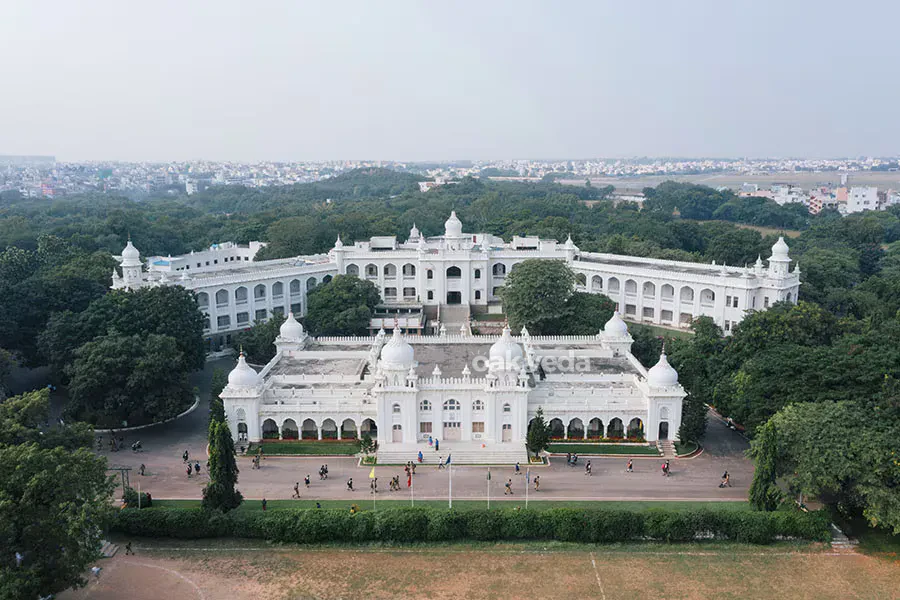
x,y
861,198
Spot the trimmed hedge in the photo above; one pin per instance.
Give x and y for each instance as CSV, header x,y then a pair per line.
x,y
310,526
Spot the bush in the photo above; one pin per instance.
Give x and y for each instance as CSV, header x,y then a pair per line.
x,y
404,525
131,499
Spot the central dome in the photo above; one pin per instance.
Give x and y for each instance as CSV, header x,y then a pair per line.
x,y
780,249
243,375
397,351
130,255
506,349
453,226
662,374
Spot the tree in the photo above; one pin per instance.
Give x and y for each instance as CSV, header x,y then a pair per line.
x,y
26,419
366,444
694,419
343,306
538,438
134,379
764,494
219,493
587,313
216,406
258,342
536,295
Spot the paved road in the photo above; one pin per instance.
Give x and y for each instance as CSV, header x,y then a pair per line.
x,y
692,479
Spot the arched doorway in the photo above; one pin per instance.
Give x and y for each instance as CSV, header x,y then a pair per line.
x,y
635,428
576,429
557,429
616,429
595,428
309,430
242,432
329,430
397,433
348,429
269,430
289,430
664,430
369,427
454,297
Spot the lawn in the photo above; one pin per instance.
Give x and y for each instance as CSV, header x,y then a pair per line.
x,y
365,503
304,447
682,448
663,331
595,449
485,571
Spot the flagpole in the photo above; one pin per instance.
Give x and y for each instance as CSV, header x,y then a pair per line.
x,y
412,487
489,488
527,482
450,476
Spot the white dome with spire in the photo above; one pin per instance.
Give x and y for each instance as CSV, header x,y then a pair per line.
x,y
338,243
662,374
243,375
615,327
398,351
453,226
291,329
780,249
130,255
414,233
506,349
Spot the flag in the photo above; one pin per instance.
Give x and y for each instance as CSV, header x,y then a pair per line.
x,y
448,460
409,480
372,473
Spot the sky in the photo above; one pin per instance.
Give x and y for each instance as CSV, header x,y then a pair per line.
x,y
418,81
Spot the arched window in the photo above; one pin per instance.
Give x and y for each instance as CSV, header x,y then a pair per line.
x,y
240,415
395,409
311,283
667,292
630,286
451,405
612,285
390,270
663,414
277,289
222,298
596,283
326,279
499,270
687,294
430,295
507,408
454,272
429,274
649,290
240,295
581,279
295,287
409,270
478,405
707,297
259,291
477,273
425,406
353,270
203,300
371,271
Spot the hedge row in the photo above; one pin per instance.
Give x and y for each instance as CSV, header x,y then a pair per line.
x,y
425,525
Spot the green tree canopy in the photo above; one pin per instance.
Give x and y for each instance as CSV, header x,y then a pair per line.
x,y
536,295
258,342
219,493
538,436
343,306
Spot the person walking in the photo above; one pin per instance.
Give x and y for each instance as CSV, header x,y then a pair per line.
x,y
184,455
437,445
430,444
413,468
507,491
296,490
518,469
350,484
306,480
568,458
326,470
668,468
143,466
189,471
537,483
197,467
629,468
587,469
264,504
128,549
440,463
420,456
96,572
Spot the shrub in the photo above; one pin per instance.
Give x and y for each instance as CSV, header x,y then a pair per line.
x,y
131,499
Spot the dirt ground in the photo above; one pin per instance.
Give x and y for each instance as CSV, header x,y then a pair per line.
x,y
508,571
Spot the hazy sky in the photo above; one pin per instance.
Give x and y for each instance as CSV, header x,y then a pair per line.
x,y
427,80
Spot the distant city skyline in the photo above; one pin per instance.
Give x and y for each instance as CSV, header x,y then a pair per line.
x,y
225,80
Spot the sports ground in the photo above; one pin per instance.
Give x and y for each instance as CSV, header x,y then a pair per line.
x,y
240,570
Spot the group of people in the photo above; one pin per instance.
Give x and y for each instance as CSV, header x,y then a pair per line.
x,y
195,468
116,443
323,473
571,458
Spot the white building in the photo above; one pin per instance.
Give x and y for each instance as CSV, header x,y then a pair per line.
x,y
862,198
448,277
476,394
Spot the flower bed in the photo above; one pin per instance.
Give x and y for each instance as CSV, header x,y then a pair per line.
x,y
304,447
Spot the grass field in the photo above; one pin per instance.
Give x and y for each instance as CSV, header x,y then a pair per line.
x,y
304,448
365,503
663,331
589,449
239,570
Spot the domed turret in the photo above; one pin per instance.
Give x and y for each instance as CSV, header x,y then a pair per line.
x,y
662,374
291,329
130,256
398,352
243,375
780,249
338,243
453,226
414,233
779,261
505,351
615,327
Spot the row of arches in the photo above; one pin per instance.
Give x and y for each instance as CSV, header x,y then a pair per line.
x,y
310,430
648,290
453,405
409,270
260,292
616,428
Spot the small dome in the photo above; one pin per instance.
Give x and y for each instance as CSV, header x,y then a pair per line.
x,y
291,329
243,375
339,243
130,255
662,374
398,351
780,249
506,349
414,233
453,226
615,327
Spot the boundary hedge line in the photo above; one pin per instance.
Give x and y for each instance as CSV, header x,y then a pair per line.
x,y
310,526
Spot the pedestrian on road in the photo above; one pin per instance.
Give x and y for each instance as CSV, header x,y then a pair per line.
x,y
184,456
726,480
518,470
350,484
296,490
197,467
665,469
508,488
629,468
128,549
143,466
668,468
326,470
264,503
413,468
306,480
568,458
440,463
374,486
430,444
96,571
587,469
437,445
537,483
420,455
189,470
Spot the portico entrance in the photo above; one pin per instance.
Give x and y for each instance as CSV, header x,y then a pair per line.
x,y
454,297
664,430
397,434
507,432
452,431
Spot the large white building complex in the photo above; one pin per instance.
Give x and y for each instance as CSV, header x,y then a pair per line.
x,y
476,394
427,283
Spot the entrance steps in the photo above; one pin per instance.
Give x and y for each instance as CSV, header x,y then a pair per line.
x,y
667,447
840,542
454,316
462,454
108,550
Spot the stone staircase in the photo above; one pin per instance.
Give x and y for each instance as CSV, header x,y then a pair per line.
x,y
667,447
108,550
453,316
840,542
462,454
